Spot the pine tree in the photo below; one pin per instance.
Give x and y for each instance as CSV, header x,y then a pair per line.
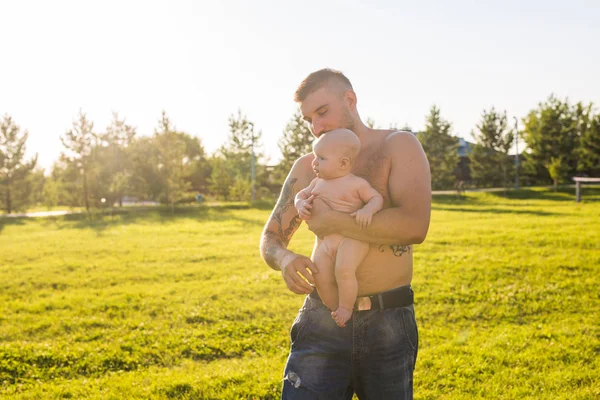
x,y
238,151
295,142
80,141
172,161
490,163
589,148
441,149
113,157
553,131
14,170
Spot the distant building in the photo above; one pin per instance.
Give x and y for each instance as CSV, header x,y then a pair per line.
x,y
463,170
464,147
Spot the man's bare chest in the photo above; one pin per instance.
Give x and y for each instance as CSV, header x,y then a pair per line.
x,y
374,166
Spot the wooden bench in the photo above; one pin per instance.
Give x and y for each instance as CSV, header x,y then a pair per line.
x,y
578,181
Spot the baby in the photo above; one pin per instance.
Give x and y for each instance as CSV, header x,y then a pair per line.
x,y
335,153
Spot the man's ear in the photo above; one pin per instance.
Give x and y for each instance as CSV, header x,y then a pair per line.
x,y
350,97
345,162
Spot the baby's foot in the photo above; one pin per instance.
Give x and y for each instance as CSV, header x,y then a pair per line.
x,y
341,316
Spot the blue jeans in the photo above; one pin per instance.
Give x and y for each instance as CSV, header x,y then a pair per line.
x,y
374,355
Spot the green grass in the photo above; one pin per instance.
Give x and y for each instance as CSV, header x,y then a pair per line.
x,y
153,305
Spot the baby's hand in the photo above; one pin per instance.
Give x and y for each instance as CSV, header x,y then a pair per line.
x,y
304,206
363,217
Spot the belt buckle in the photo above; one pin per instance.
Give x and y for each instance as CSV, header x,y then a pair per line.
x,y
363,304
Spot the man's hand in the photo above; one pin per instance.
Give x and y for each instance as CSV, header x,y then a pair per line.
x,y
321,219
293,268
363,217
303,207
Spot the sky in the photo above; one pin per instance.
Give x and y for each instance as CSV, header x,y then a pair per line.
x,y
201,61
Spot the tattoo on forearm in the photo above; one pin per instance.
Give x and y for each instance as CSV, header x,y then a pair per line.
x,y
271,252
275,239
397,249
286,200
294,224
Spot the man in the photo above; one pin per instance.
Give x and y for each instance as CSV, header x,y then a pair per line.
x,y
375,354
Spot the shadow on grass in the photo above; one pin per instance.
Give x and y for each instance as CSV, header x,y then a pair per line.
x,y
453,199
6,221
496,211
100,221
562,194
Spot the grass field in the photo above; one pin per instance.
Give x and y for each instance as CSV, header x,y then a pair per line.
x,y
154,305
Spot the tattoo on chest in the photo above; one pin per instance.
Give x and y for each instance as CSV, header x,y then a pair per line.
x,y
397,249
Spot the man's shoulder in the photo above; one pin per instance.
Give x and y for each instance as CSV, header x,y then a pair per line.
x,y
302,168
305,161
394,135
396,141
387,137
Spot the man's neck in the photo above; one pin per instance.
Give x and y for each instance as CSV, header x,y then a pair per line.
x,y
362,131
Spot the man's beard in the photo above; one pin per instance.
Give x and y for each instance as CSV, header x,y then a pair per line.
x,y
347,121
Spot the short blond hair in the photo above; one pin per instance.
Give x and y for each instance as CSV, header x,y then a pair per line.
x,y
316,80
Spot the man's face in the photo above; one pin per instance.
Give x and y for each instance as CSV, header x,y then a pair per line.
x,y
325,110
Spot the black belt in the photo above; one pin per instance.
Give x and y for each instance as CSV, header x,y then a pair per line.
x,y
399,297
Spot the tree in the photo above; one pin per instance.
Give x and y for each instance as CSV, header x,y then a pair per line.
x,y
490,163
112,160
295,142
14,170
441,149
404,127
238,151
589,148
146,182
66,177
553,131
558,170
197,169
80,141
34,185
50,193
116,146
172,161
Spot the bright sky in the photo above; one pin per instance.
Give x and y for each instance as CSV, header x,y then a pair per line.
x,y
202,60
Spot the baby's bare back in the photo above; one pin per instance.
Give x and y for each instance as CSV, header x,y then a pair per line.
x,y
341,194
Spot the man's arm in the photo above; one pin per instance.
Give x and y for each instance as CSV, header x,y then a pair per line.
x,y
280,228
407,221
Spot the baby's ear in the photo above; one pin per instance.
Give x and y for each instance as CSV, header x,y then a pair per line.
x,y
345,162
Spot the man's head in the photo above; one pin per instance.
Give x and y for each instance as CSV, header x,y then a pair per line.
x,y
335,153
327,101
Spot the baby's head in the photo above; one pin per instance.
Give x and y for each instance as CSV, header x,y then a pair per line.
x,y
335,153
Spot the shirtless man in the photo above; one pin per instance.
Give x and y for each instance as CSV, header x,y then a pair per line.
x,y
375,355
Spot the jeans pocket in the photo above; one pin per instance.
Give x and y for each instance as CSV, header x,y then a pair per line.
x,y
410,327
299,326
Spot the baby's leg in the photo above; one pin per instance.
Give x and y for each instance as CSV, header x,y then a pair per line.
x,y
350,254
325,279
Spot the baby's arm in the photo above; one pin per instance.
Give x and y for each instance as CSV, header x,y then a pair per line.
x,y
373,200
303,200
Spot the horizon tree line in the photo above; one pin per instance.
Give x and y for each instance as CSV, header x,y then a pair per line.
x,y
105,167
